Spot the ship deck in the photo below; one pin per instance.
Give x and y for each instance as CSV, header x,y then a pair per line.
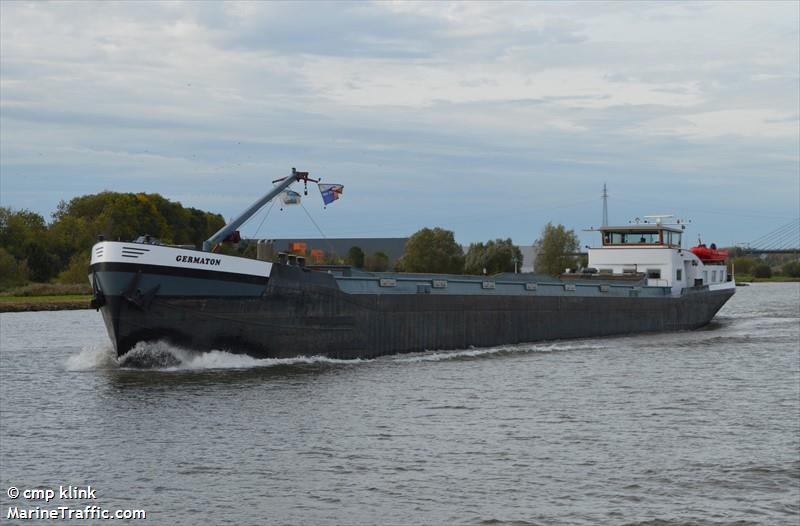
x,y
354,281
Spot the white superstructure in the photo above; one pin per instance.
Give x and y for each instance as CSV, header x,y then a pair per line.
x,y
176,257
654,249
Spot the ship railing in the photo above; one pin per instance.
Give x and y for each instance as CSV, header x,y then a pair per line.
x,y
399,284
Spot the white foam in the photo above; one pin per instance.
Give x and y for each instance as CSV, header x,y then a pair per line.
x,y
93,357
191,360
163,356
437,356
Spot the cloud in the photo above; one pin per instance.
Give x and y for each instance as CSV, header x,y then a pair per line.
x,y
424,110
723,123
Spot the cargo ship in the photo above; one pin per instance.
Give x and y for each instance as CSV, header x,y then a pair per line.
x,y
638,279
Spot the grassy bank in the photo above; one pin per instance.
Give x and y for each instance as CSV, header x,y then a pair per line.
x,y
747,278
33,303
45,296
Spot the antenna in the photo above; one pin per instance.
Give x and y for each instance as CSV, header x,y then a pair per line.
x,y
658,219
605,205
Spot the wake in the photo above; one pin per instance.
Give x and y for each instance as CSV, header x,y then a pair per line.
x,y
164,356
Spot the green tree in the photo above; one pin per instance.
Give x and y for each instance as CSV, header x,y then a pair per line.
x,y
735,252
41,251
762,271
743,265
495,256
20,228
77,270
355,257
555,249
334,259
433,250
69,236
127,216
43,265
377,262
13,273
791,269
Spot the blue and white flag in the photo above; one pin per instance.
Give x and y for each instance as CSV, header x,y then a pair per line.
x,y
330,192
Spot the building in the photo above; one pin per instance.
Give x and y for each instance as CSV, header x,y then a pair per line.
x,y
320,248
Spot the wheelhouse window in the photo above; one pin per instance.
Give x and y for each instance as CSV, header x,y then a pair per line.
x,y
672,238
642,237
654,273
679,274
631,238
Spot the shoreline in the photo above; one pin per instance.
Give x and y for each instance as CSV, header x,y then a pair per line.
x,y
779,279
43,303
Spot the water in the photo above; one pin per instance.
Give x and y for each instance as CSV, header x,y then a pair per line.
x,y
696,427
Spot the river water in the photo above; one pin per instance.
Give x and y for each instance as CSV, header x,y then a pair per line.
x,y
684,428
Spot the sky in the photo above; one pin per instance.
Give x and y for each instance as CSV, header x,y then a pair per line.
x,y
488,119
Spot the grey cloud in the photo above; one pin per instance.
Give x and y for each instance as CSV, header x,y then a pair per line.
x,y
89,119
86,118
323,28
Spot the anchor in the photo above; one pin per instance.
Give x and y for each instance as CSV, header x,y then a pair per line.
x,y
135,295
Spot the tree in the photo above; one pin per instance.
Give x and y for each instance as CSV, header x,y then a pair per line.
x,y
433,250
126,216
495,256
333,259
377,262
762,271
42,264
19,228
791,269
76,271
355,257
12,272
735,252
555,249
743,265
69,236
39,251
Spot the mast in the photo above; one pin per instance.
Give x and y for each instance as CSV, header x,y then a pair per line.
x,y
605,205
228,229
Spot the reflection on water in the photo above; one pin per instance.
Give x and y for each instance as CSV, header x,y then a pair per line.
x,y
696,427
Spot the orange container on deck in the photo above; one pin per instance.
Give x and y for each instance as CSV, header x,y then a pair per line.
x,y
298,248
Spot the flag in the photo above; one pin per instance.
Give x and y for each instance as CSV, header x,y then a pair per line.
x,y
330,192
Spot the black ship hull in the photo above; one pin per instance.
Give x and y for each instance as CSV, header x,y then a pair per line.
x,y
296,312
